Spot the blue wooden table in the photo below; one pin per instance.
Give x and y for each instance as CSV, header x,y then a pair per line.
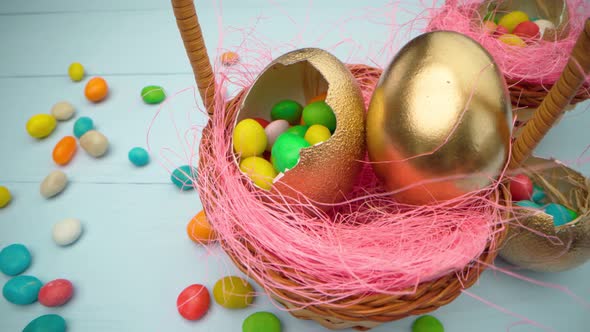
x,y
134,256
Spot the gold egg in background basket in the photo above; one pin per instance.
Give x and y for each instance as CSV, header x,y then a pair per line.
x,y
555,11
326,172
524,248
440,110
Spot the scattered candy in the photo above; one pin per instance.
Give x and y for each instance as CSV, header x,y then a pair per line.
x,y
489,27
82,126
22,290
528,204
14,259
193,302
317,134
512,40
64,150
261,322
538,194
544,27
199,229
273,131
56,293
139,156
561,215
5,196
299,130
427,323
512,19
259,170
153,94
96,89
262,122
63,111
94,143
527,29
233,292
320,113
67,231
289,110
76,71
183,177
229,58
53,184
249,138
320,97
47,323
521,188
285,151
41,125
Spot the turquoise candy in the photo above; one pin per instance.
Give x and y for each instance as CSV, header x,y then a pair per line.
x,y
14,259
286,151
153,94
538,194
46,323
561,215
261,322
298,130
427,323
183,178
139,156
320,113
22,290
528,204
82,125
289,110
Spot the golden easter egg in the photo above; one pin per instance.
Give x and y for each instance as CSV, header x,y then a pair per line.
x,y
326,172
439,122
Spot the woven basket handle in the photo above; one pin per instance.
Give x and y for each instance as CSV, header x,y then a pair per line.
x,y
560,95
192,36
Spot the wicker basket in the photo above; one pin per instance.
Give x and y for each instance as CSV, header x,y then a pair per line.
x,y
361,313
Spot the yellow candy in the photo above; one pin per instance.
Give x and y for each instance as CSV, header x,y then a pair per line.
x,y
512,19
41,125
249,138
5,196
317,134
76,71
259,170
512,40
233,293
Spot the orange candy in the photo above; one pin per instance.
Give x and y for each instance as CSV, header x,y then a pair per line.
x,y
199,229
96,89
320,97
229,58
64,150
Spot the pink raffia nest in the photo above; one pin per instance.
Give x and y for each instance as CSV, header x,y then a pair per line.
x,y
530,71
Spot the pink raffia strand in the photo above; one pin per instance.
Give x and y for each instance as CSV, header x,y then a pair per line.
x,y
540,62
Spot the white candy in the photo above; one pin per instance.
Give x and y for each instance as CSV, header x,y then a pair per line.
x,y
53,184
67,231
63,111
544,25
273,130
95,143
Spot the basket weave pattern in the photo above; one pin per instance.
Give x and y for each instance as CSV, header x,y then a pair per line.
x,y
524,94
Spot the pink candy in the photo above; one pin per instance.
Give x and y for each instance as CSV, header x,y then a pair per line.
x,y
56,293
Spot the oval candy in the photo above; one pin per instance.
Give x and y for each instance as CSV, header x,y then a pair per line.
x,y
47,323
273,130
94,143
82,126
199,229
193,302
527,29
286,151
233,292
427,323
317,134
320,113
259,170
139,156
261,322
183,177
298,130
56,293
76,72
289,110
67,231
96,89
63,111
521,188
153,94
53,184
64,150
249,138
14,259
5,196
22,290
512,19
41,125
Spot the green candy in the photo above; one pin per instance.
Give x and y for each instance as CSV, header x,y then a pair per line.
x,y
261,322
285,151
298,130
320,113
153,94
46,323
427,323
289,110
183,177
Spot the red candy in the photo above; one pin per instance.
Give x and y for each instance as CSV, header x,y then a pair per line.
x,y
193,302
262,122
56,293
500,30
527,29
521,188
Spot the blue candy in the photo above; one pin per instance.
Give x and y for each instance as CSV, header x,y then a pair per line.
x,y
528,204
46,323
538,194
139,156
183,177
14,259
22,290
82,125
561,215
